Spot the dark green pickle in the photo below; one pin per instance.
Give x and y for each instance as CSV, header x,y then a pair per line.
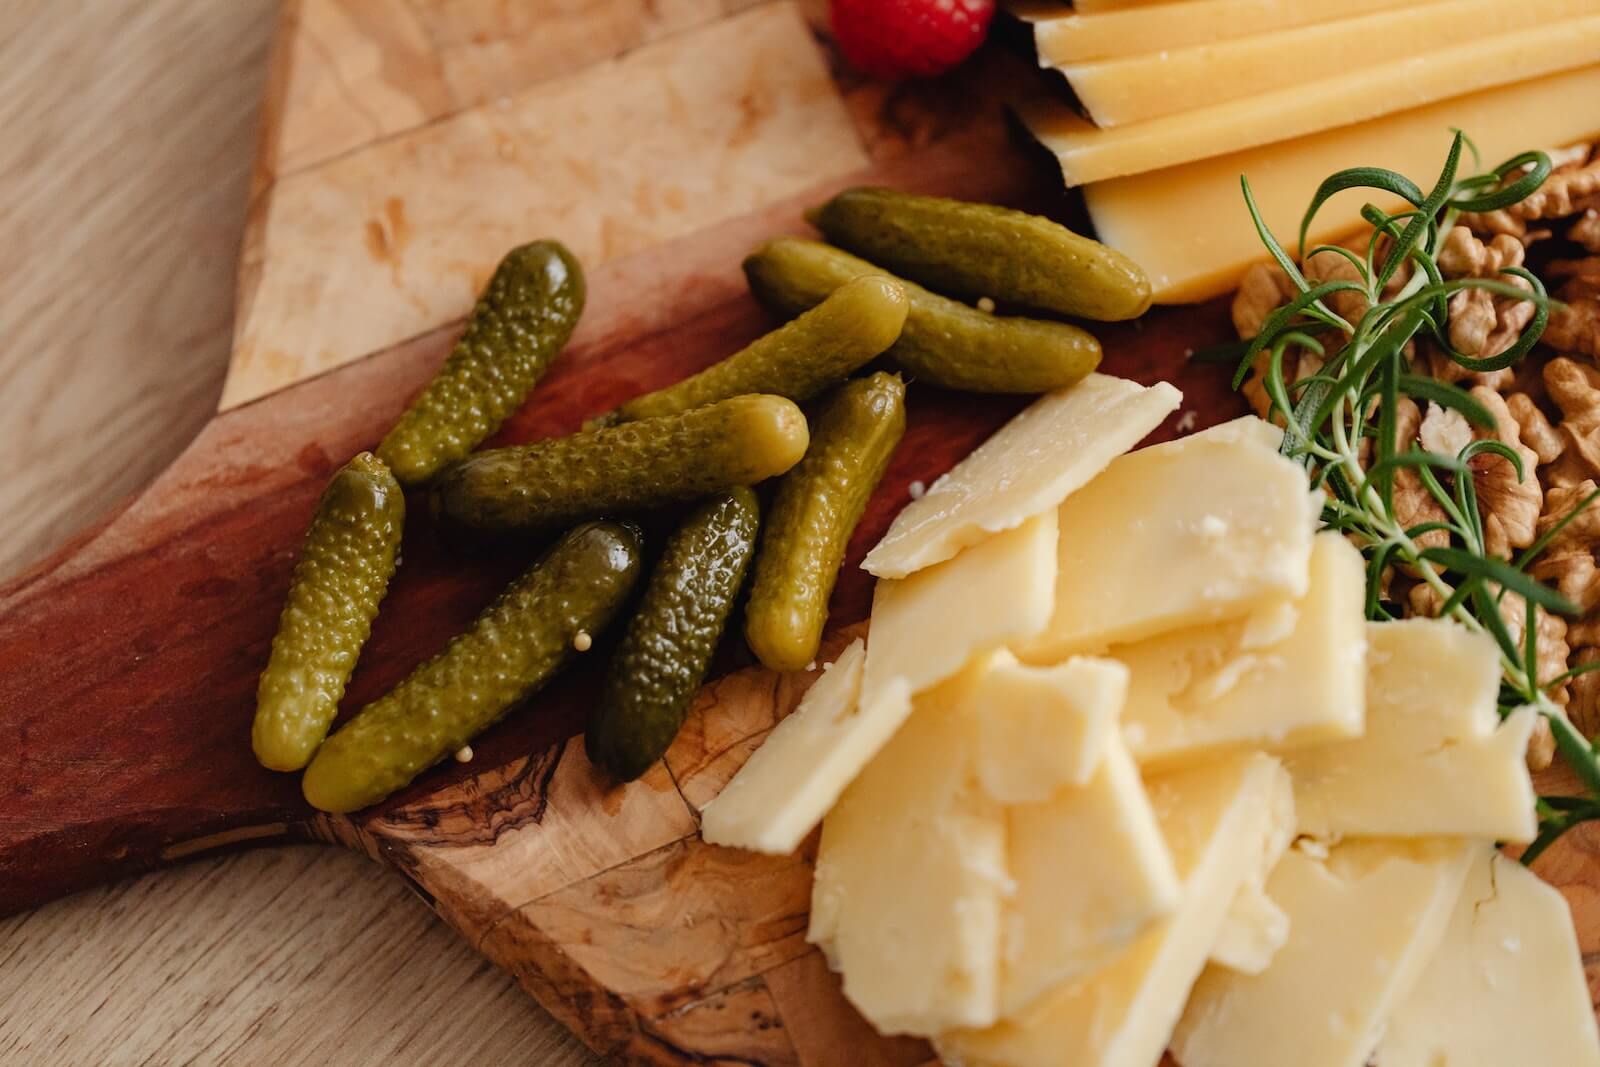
x,y
669,644
517,645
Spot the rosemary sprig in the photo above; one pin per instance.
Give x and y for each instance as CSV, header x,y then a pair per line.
x,y
1340,423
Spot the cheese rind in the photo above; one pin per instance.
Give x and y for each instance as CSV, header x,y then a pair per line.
x,y
1029,466
1042,728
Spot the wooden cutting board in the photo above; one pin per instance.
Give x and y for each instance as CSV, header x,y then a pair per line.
x,y
407,144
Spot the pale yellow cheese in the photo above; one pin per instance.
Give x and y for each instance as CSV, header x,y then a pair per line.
x,y
1199,530
1189,229
1363,924
1506,985
1087,153
1255,927
1208,688
783,791
1215,818
1028,467
1435,758
927,627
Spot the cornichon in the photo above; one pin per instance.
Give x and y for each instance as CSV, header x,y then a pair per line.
x,y
817,507
520,323
512,649
943,342
663,657
977,250
342,575
631,467
798,360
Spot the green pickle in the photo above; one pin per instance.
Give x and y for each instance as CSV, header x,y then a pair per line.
x,y
341,577
519,642
944,342
663,657
981,250
631,467
816,509
522,320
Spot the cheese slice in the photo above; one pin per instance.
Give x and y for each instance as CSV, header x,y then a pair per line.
x,y
1042,728
1507,985
927,627
1362,926
1215,818
1087,153
1205,689
1255,927
783,791
909,877
1435,759
1189,229
1198,530
1028,467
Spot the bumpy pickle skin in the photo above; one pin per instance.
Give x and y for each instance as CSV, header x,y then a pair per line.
x,y
817,507
818,349
943,342
521,322
517,645
663,657
341,577
618,469
976,250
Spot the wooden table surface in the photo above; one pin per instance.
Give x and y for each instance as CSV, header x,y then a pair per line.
x,y
129,127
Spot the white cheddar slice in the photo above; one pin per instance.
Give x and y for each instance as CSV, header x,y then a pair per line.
x,y
1198,530
791,781
1041,728
1435,759
909,877
1255,927
1028,467
1092,872
1292,674
1215,818
1507,985
927,627
1362,926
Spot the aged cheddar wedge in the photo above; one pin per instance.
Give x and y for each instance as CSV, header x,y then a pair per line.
x,y
791,781
1041,728
1198,530
1215,818
1363,924
1435,758
1506,985
1291,675
1189,229
1090,154
1029,466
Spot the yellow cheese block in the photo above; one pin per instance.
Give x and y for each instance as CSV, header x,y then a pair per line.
x,y
1163,82
1255,927
1089,154
1249,683
1435,758
1029,466
1506,986
1215,819
1188,226
1363,924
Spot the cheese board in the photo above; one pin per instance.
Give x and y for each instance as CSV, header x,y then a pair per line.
x,y
405,146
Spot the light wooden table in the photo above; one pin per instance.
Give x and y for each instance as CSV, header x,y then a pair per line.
x,y
126,134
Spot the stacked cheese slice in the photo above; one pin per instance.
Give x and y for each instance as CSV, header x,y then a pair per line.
x,y
1184,97
1121,766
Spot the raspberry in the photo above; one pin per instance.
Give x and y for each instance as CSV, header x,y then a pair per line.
x,y
909,38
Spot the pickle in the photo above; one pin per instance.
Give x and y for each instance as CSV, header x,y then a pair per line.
x,y
978,250
511,650
663,657
798,360
341,577
817,507
524,317
631,467
944,342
